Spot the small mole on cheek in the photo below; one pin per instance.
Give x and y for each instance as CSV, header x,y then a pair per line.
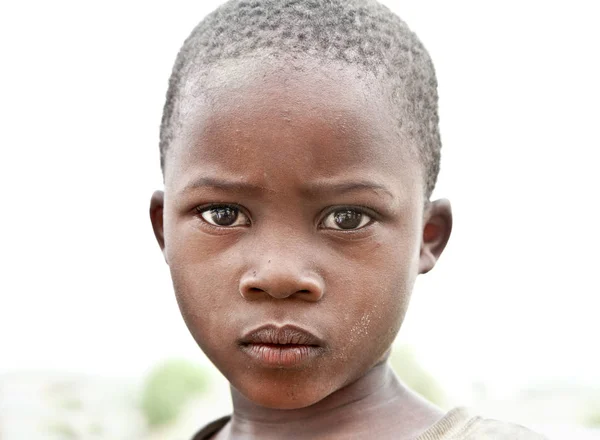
x,y
269,261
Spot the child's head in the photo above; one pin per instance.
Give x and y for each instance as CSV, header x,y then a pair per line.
x,y
299,147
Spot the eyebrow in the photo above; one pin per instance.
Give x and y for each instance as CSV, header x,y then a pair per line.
x,y
349,186
223,184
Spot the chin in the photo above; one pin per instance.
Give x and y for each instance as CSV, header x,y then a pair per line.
x,y
277,395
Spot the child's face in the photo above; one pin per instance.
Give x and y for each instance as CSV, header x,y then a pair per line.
x,y
290,200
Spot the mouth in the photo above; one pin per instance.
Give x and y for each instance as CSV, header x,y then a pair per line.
x,y
287,346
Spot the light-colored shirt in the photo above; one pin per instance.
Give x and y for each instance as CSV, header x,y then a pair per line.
x,y
458,424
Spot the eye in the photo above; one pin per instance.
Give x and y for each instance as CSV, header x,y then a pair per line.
x,y
346,219
224,216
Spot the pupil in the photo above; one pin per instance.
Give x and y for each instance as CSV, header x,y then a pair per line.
x,y
224,216
347,219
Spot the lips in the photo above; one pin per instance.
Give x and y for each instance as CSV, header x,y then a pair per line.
x,y
286,346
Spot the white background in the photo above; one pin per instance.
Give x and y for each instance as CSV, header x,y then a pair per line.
x,y
514,300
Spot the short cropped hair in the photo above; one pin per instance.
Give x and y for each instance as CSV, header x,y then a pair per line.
x,y
357,32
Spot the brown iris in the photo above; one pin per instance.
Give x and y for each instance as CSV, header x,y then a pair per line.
x,y
224,215
347,219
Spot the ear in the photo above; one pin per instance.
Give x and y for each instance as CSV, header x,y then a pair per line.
x,y
437,225
157,203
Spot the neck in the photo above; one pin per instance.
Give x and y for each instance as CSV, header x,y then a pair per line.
x,y
375,401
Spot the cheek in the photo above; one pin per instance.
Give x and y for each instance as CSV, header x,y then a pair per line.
x,y
372,301
199,312
377,316
204,294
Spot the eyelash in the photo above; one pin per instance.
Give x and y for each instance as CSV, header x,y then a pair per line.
x,y
366,216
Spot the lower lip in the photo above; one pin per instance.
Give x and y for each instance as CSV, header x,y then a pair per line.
x,y
274,355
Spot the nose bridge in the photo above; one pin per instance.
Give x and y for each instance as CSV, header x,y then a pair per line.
x,y
282,266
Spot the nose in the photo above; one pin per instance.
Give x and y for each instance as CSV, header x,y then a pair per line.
x,y
281,280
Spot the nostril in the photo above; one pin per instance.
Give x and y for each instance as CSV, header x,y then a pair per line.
x,y
304,291
255,290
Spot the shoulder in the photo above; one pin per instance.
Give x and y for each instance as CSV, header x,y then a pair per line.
x,y
458,424
494,429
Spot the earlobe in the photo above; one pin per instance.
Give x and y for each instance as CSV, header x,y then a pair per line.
x,y
437,226
156,217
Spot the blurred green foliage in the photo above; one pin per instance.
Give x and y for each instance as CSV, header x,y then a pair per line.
x,y
63,431
168,387
72,404
592,420
406,366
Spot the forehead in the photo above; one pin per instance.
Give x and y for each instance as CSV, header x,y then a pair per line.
x,y
303,115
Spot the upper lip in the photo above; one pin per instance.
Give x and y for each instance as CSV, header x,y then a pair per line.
x,y
280,335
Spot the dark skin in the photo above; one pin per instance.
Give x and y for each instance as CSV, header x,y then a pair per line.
x,y
290,198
